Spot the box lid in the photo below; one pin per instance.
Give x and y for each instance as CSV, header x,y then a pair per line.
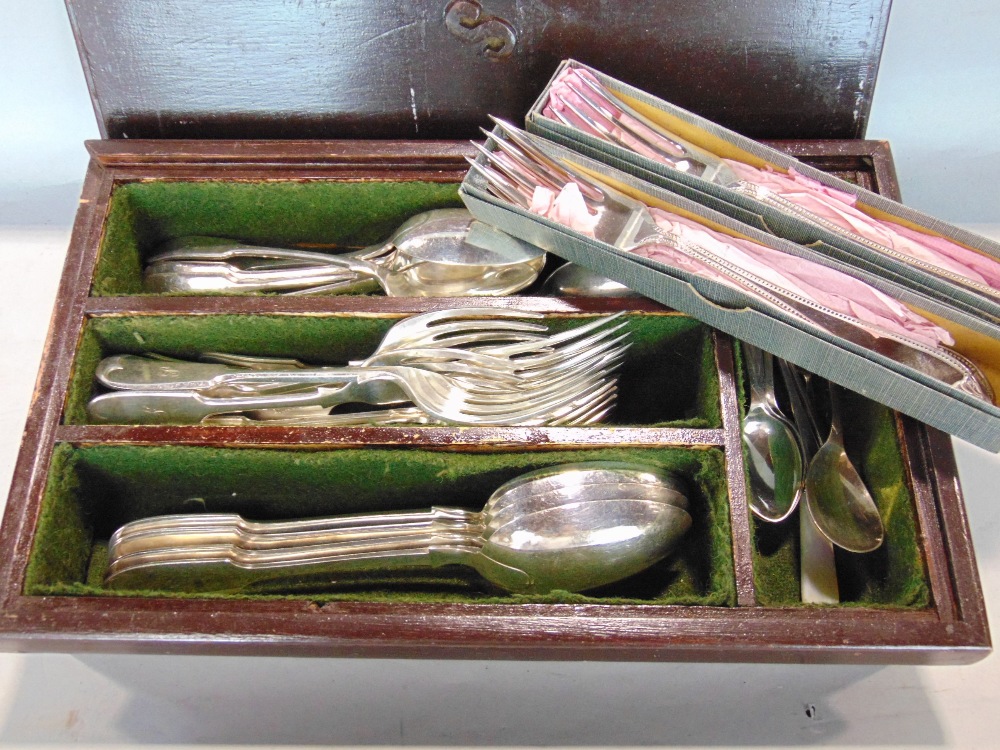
x,y
354,68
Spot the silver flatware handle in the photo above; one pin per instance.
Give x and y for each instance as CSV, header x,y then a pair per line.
x,y
939,364
191,407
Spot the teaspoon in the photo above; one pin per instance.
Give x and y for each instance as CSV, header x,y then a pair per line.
x,y
771,443
837,498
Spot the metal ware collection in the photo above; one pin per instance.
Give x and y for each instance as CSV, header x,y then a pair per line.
x,y
572,527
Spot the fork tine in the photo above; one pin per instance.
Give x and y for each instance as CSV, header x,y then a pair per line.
x,y
540,394
596,125
558,172
598,401
676,149
520,179
500,184
553,392
577,358
505,151
580,356
511,350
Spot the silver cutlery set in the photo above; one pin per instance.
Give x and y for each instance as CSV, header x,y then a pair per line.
x,y
439,253
572,527
791,464
620,125
514,168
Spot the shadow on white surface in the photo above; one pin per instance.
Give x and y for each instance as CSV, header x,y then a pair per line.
x,y
118,700
39,207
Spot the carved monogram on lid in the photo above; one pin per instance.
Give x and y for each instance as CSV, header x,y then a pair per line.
x,y
466,20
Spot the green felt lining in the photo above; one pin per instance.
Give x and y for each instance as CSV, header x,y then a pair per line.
x,y
285,213
94,489
658,384
892,576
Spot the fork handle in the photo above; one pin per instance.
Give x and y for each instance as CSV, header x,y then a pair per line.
x,y
342,385
133,372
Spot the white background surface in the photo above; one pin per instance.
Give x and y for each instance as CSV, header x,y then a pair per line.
x,y
937,101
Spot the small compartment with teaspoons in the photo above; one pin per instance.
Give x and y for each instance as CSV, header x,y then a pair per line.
x,y
892,575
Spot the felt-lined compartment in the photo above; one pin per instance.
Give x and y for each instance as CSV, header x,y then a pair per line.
x,y
94,489
669,376
310,214
892,575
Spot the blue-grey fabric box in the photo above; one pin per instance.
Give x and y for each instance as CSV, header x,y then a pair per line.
x,y
860,369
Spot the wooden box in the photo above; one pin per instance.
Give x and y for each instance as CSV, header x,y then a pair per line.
x,y
74,481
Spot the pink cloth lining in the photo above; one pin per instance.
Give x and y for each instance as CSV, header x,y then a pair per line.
x,y
834,205
826,286
840,208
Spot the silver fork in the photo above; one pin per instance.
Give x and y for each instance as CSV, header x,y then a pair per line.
x,y
627,224
450,399
564,378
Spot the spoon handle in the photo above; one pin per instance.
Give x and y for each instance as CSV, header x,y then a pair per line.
x,y
195,247
817,561
836,429
349,521
227,567
190,407
760,374
216,276
200,530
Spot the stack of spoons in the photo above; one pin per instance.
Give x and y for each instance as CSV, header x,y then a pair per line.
x,y
439,253
571,527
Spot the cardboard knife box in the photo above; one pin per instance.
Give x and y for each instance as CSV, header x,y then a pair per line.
x,y
329,125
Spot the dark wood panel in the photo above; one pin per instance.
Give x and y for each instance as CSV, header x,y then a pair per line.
x,y
435,69
953,629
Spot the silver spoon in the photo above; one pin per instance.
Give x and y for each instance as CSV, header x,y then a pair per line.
x,y
771,443
593,534
574,280
538,490
837,498
444,252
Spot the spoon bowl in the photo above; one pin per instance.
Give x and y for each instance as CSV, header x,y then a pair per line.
x,y
772,445
838,500
574,280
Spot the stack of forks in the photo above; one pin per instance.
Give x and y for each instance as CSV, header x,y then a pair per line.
x,y
471,366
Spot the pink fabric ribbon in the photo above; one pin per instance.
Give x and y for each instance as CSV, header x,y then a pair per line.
x,y
827,286
840,208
